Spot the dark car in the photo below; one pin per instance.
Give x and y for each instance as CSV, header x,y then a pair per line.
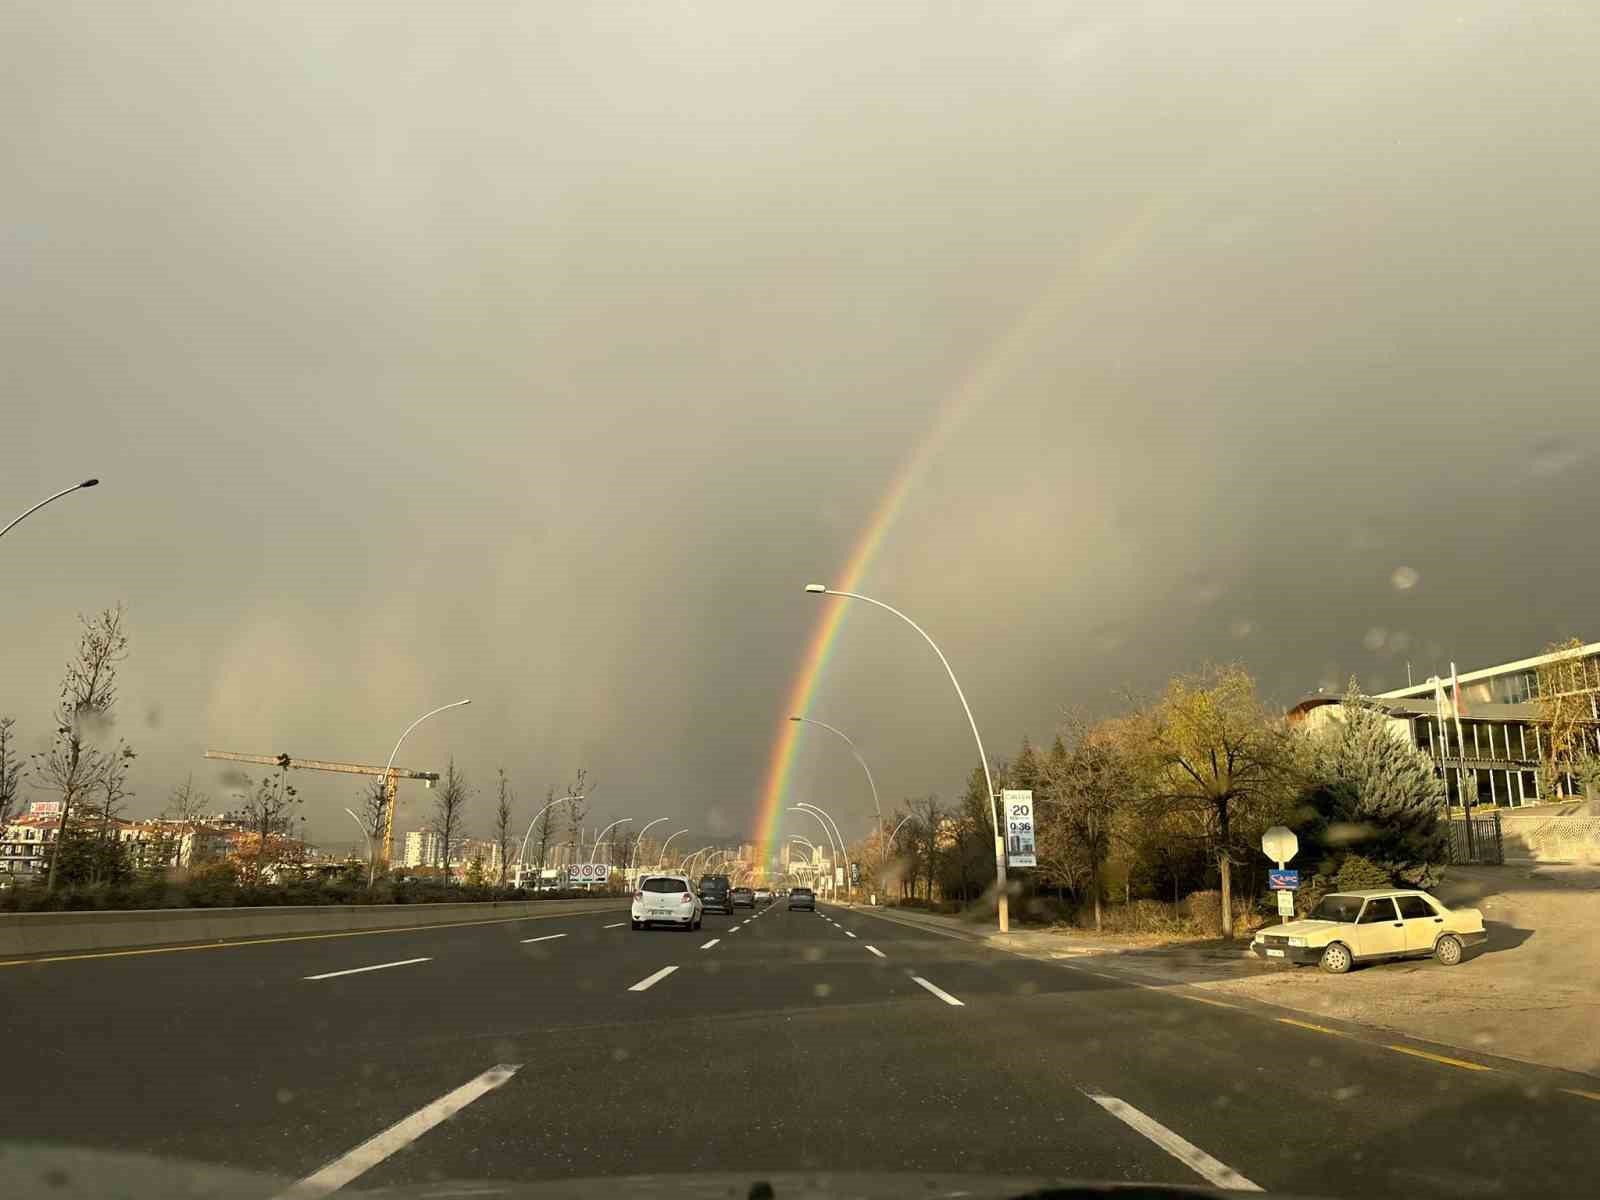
x,y
716,893
802,897
743,897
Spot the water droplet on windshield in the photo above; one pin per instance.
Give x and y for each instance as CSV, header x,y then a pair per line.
x,y
1404,578
1374,638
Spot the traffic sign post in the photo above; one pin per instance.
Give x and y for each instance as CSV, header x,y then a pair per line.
x,y
1280,845
587,874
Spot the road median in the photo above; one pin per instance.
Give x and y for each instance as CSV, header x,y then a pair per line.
x,y
29,935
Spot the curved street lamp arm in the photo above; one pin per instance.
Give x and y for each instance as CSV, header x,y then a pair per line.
x,y
87,483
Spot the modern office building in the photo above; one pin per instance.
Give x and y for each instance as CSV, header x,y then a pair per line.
x,y
1503,736
422,848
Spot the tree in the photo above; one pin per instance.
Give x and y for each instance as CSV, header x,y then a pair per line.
x,y
12,771
269,811
449,812
74,765
1214,752
545,827
1091,783
576,806
475,876
502,822
113,788
1374,796
925,828
185,807
372,810
1567,718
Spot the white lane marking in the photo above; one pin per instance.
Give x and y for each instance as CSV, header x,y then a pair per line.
x,y
748,921
399,1135
618,925
404,962
937,991
878,952
1202,1000
710,944
649,981
1197,1160
734,929
549,937
847,933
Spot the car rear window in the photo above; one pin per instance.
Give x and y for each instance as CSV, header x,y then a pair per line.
x,y
801,892
714,885
665,885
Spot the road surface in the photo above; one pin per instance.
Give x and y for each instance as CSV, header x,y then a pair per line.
x,y
571,1046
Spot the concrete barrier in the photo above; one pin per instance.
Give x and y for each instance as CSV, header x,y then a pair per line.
x,y
25,935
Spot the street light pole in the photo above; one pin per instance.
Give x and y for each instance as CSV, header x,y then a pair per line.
x,y
372,854
871,783
844,850
828,833
1001,899
605,831
661,859
522,854
77,487
390,790
638,842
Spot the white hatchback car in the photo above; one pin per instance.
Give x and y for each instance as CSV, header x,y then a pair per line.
x,y
666,900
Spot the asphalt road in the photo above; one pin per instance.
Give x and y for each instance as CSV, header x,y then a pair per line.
x,y
779,1041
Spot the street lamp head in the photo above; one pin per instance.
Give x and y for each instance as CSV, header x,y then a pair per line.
x,y
90,483
818,588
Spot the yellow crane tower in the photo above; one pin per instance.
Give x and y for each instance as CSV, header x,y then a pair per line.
x,y
390,783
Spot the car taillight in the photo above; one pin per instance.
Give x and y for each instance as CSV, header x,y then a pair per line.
x,y
686,899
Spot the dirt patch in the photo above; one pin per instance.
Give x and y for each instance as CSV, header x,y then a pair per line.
x,y
1532,992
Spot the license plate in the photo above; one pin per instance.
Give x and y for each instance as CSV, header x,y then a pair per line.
x,y
1274,953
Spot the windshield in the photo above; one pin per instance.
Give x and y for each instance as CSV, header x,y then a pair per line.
x,y
1337,908
1068,495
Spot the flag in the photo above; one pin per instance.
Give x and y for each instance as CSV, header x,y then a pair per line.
x,y
1439,701
1455,691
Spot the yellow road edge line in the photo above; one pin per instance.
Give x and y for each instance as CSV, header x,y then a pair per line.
x,y
1309,1025
292,937
1581,1092
1439,1058
1204,1000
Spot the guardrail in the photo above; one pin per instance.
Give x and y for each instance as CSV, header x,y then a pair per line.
x,y
31,934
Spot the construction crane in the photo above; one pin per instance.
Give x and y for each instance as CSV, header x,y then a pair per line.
x,y
390,784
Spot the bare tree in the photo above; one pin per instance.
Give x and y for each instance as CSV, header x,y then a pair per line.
x,y
449,812
926,821
12,771
545,827
74,765
185,807
576,806
372,810
113,790
504,799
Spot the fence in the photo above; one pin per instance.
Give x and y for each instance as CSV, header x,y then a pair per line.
x,y
1484,846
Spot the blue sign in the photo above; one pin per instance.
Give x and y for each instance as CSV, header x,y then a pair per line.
x,y
1283,881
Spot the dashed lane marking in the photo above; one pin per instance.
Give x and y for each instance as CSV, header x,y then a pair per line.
x,y
549,937
404,962
878,952
649,981
937,991
1218,1174
397,1137
1308,1025
1439,1058
710,944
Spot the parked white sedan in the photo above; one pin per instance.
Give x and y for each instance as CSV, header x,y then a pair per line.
x,y
666,900
1365,926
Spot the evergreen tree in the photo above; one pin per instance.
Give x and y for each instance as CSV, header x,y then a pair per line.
x,y
1376,795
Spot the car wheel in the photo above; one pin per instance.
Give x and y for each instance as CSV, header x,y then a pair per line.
x,y
633,923
1448,950
1335,959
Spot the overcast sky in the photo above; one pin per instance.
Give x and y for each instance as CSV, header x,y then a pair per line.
x,y
542,352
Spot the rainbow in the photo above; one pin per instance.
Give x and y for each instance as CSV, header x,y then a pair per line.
x,y
990,370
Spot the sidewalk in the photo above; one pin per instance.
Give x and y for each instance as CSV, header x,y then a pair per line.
x,y
1531,993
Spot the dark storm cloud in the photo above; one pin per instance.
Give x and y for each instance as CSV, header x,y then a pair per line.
x,y
540,353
